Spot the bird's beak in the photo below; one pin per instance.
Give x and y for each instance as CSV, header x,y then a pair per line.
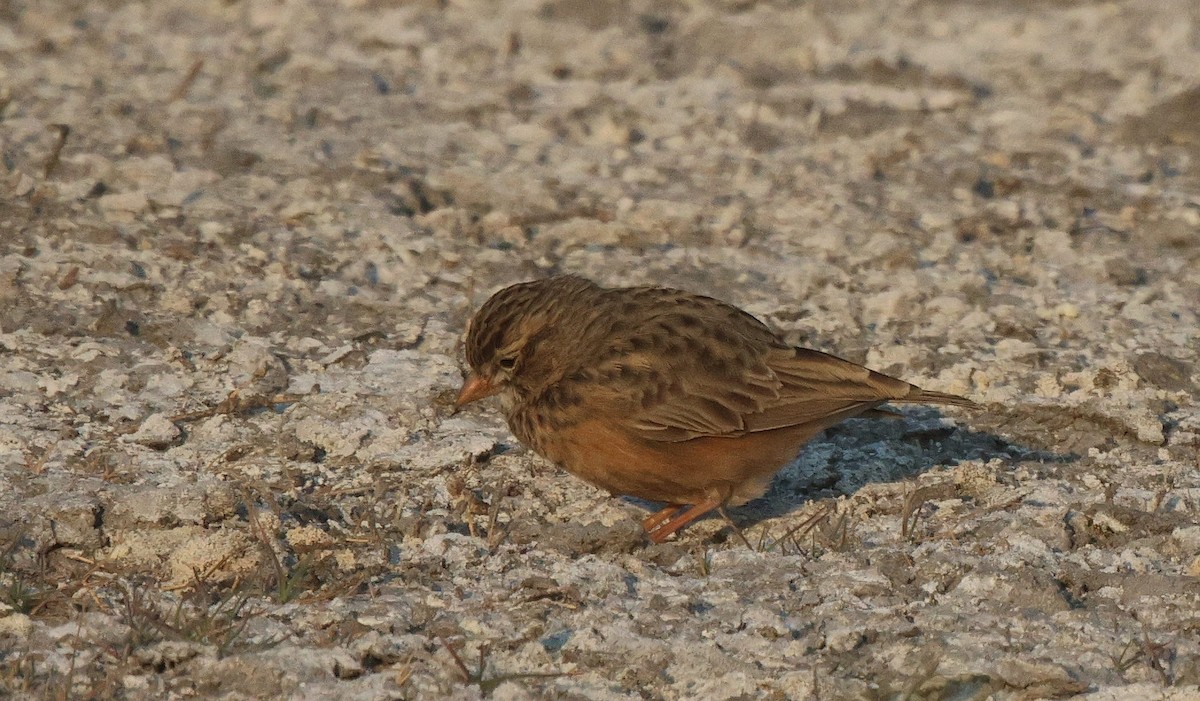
x,y
473,389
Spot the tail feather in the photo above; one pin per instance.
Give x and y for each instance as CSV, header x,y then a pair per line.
x,y
925,396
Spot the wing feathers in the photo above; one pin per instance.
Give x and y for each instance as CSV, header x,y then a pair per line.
x,y
680,366
791,387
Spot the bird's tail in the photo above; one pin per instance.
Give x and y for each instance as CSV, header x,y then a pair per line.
x,y
925,396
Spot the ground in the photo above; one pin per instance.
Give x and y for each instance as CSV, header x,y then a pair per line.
x,y
240,239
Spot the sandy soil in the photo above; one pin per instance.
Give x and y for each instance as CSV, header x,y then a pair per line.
x,y
239,240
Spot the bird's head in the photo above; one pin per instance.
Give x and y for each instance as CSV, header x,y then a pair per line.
x,y
504,335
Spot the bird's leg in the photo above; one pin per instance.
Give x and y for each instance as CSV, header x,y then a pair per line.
x,y
660,517
664,530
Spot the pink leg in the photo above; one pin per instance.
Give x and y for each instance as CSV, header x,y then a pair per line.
x,y
660,517
663,530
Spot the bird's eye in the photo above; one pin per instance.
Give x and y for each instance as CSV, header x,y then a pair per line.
x,y
508,362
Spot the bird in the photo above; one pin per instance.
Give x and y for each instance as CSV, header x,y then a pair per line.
x,y
661,394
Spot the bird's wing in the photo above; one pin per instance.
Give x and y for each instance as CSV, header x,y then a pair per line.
x,y
695,366
757,389
818,387
675,377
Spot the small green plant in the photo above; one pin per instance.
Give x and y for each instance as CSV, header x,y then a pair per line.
x,y
17,593
293,581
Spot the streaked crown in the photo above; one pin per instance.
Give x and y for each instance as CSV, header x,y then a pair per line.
x,y
504,319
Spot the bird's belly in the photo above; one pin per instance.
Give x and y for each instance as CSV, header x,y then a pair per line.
x,y
735,469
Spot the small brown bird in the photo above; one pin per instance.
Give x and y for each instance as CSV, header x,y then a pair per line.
x,y
659,393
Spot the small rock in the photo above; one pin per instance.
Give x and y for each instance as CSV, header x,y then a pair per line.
x,y
844,638
223,555
555,641
1124,273
1165,372
1188,538
1022,674
345,666
59,520
306,538
157,431
170,653
122,206
582,232
15,625
21,184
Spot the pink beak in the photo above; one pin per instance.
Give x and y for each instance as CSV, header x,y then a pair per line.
x,y
473,389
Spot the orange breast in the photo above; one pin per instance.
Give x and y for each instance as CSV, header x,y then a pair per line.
x,y
734,470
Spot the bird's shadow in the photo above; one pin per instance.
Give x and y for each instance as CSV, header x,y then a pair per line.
x,y
859,452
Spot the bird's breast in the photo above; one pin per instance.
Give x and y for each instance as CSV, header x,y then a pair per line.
x,y
601,452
